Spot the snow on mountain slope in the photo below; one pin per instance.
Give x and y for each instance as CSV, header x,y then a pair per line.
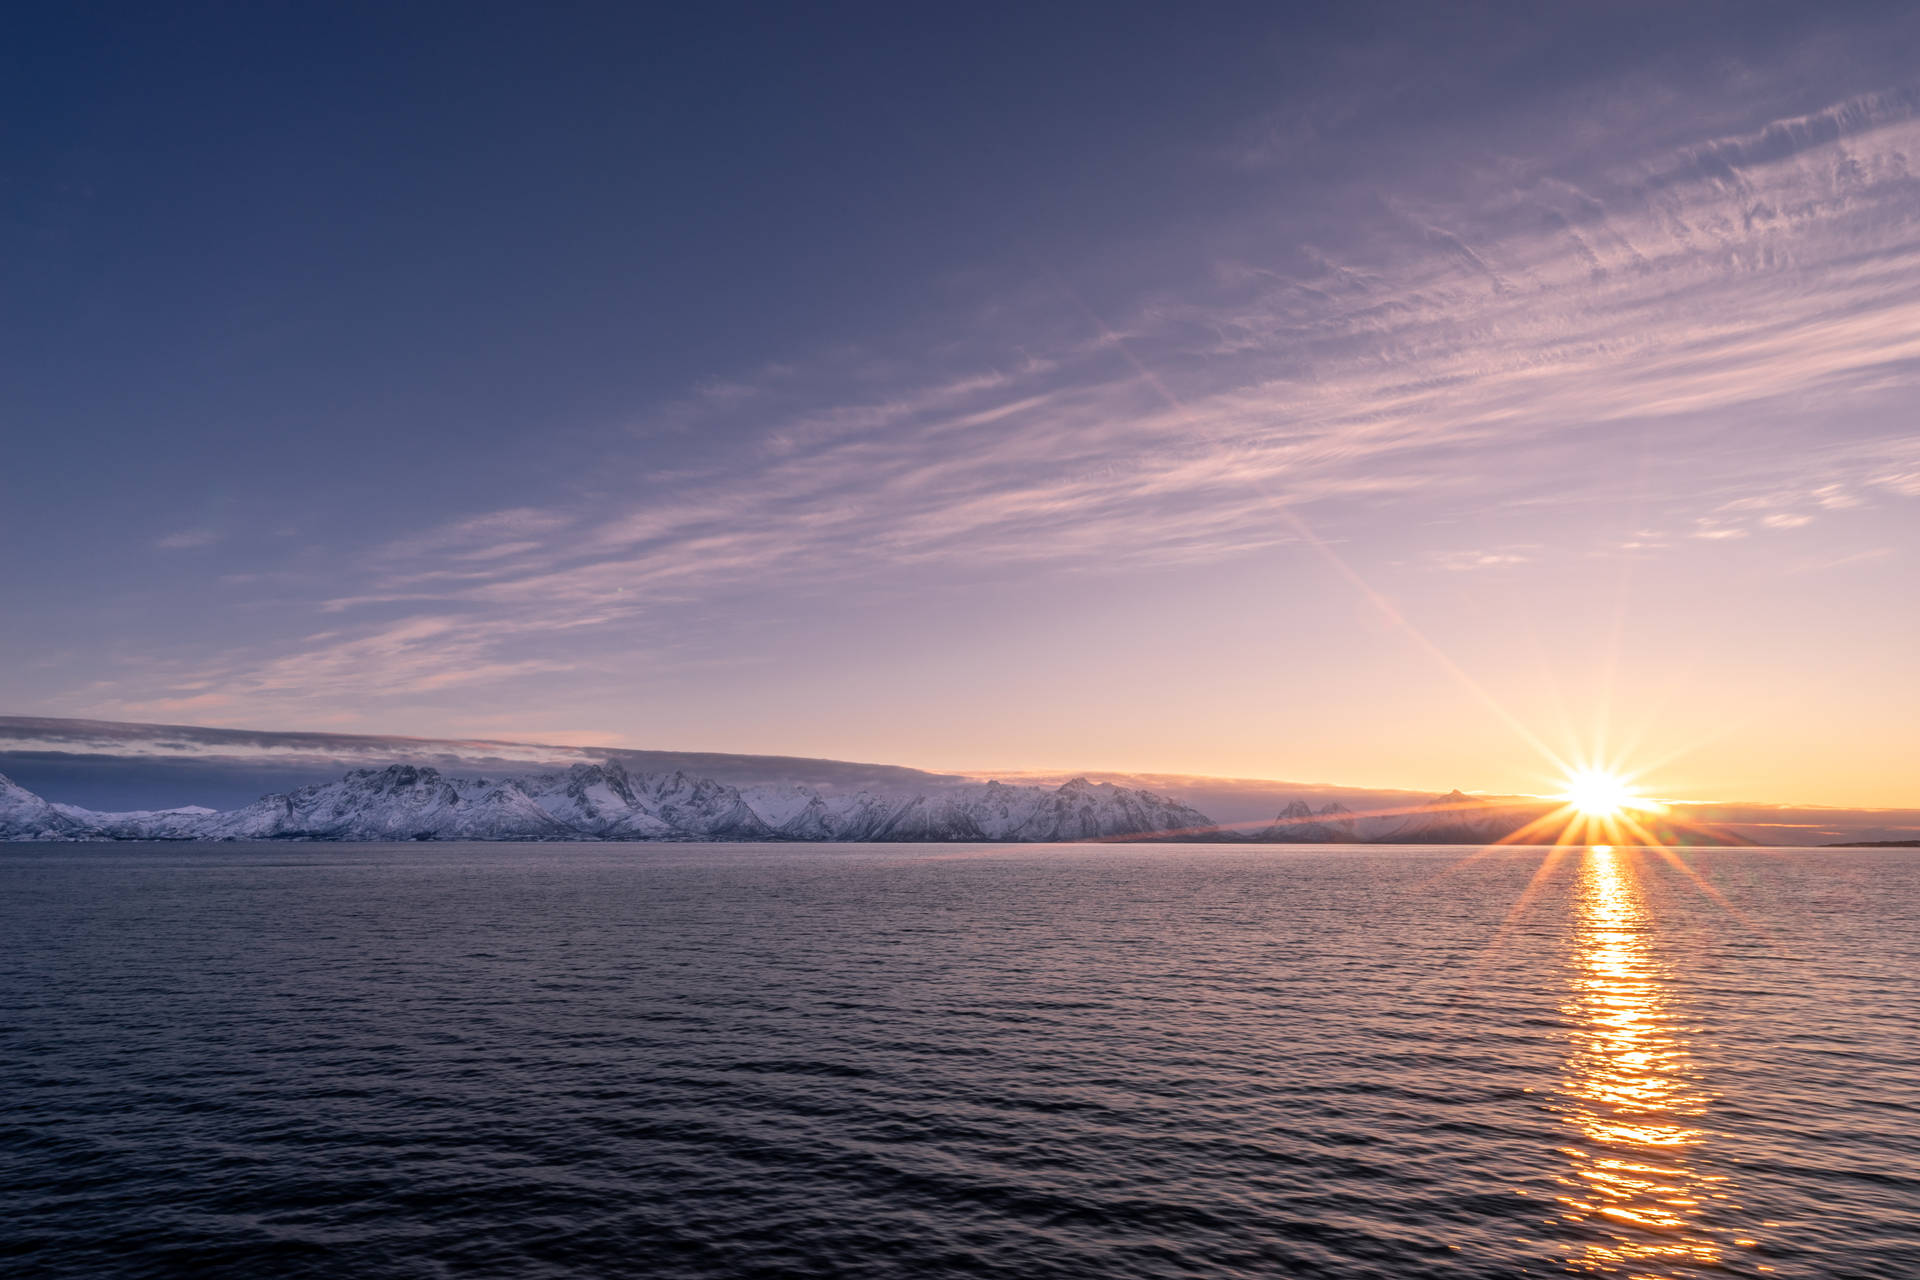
x,y
598,799
778,805
143,824
25,816
604,802
701,807
1079,810
401,802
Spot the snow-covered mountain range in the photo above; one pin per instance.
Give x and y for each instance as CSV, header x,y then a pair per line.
x,y
605,802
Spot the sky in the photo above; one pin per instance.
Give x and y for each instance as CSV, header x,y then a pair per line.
x,y
1395,396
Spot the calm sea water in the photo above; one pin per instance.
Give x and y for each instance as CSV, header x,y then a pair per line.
x,y
867,1061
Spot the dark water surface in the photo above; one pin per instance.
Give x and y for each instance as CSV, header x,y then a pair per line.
x,y
501,1060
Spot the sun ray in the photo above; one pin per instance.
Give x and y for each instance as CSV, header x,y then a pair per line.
x,y
1541,874
1672,858
1321,547
1722,730
1552,821
1556,693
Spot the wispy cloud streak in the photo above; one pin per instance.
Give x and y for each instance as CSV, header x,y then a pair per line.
x,y
1467,349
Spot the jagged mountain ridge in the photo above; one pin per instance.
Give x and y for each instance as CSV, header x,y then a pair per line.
x,y
605,802
1299,824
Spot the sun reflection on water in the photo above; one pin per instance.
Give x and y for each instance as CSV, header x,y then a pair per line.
x,y
1633,1095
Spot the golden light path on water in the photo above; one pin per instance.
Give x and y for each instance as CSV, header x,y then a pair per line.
x,y
1633,1095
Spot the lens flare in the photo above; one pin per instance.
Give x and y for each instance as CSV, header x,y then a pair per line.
x,y
1596,793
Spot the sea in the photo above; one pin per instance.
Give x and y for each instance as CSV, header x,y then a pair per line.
x,y
1119,1060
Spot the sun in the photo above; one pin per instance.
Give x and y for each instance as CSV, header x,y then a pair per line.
x,y
1596,793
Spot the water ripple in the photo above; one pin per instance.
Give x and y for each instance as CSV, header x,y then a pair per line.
x,y
874,1061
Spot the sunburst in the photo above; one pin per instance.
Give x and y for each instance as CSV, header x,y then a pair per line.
x,y
1601,794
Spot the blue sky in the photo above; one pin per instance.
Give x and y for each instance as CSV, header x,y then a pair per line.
x,y
1369,394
